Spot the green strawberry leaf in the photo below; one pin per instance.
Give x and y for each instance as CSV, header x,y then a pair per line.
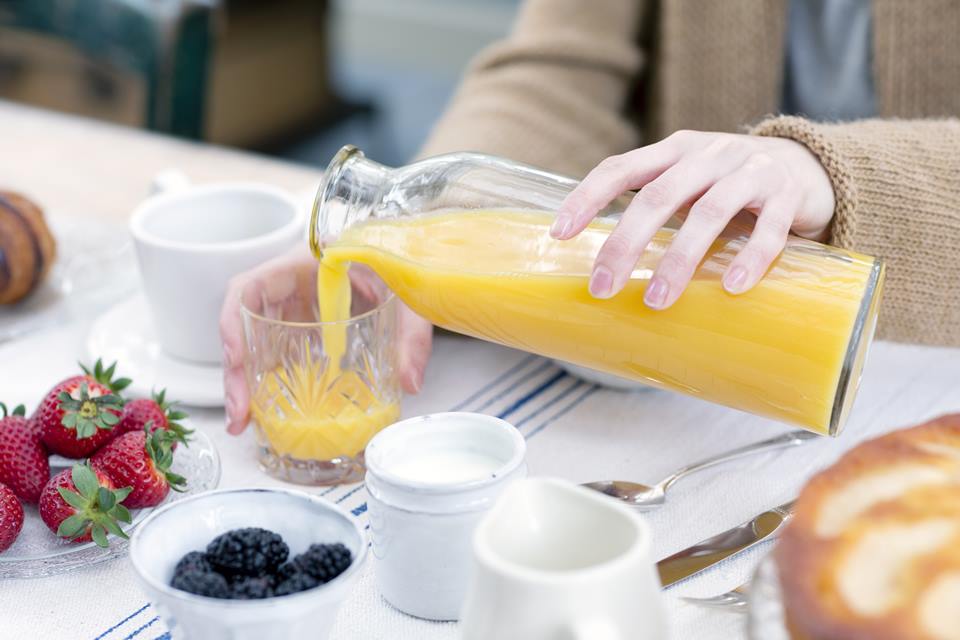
x,y
113,528
177,482
70,420
121,513
106,498
72,527
120,384
121,494
85,480
85,429
72,498
99,535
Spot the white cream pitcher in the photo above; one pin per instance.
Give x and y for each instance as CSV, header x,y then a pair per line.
x,y
555,561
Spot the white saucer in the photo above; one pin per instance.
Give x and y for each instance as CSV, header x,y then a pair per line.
x,y
125,334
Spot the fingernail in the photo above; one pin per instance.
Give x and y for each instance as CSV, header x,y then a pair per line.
x,y
561,226
734,281
656,293
416,383
601,282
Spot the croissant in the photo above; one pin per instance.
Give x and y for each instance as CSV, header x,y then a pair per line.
x,y
27,248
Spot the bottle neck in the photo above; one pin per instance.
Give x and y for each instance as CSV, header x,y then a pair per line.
x,y
351,192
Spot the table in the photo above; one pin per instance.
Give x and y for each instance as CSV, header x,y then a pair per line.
x,y
574,429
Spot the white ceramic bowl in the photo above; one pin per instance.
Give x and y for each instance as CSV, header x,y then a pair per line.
x,y
189,524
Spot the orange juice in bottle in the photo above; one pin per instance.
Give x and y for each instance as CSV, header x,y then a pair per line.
x,y
463,239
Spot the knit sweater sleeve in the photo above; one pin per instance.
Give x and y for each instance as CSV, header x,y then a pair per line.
x,y
897,188
553,93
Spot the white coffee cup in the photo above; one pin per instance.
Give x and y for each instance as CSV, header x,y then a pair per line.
x,y
431,479
555,561
191,240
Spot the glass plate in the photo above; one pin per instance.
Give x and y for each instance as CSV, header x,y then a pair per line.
x,y
37,552
95,265
765,615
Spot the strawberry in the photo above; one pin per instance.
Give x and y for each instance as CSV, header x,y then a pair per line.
x,y
137,413
77,416
83,504
11,517
23,460
141,460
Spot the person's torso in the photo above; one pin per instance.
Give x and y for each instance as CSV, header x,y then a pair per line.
x,y
725,65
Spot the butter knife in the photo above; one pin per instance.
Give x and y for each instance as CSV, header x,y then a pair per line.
x,y
709,552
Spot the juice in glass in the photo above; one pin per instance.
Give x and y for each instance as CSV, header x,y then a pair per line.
x,y
322,382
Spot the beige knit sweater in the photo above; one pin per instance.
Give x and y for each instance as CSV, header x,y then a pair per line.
x,y
579,80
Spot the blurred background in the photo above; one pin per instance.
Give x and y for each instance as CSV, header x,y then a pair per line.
x,y
291,78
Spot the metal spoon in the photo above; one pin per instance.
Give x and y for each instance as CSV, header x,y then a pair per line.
x,y
646,497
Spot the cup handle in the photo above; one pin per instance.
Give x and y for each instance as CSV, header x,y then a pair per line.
x,y
593,629
168,181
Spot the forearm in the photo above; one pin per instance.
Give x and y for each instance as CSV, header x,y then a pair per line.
x,y
897,188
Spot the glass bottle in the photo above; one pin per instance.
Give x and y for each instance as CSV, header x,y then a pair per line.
x,y
462,239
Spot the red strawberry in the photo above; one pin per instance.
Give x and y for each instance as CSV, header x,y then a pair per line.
x,y
141,460
77,416
11,517
82,504
23,460
138,413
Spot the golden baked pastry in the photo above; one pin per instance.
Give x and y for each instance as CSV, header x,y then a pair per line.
x,y
873,550
27,249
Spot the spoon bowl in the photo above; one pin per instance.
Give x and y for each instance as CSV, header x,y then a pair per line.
x,y
641,496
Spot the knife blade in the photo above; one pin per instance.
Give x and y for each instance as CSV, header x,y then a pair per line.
x,y
712,550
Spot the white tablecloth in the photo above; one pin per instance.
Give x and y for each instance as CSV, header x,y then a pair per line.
x,y
575,431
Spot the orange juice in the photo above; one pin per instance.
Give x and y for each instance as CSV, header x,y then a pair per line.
x,y
787,350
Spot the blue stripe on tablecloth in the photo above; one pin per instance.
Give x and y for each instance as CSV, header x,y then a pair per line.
x,y
552,380
163,636
563,411
124,621
514,369
560,396
136,632
509,390
501,379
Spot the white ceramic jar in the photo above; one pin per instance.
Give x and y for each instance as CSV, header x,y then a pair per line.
x,y
431,479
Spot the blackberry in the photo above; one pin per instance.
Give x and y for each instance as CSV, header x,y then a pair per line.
x,y
193,561
324,561
299,581
202,583
247,552
284,571
252,588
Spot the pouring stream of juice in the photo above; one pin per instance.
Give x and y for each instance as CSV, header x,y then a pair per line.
x,y
777,351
